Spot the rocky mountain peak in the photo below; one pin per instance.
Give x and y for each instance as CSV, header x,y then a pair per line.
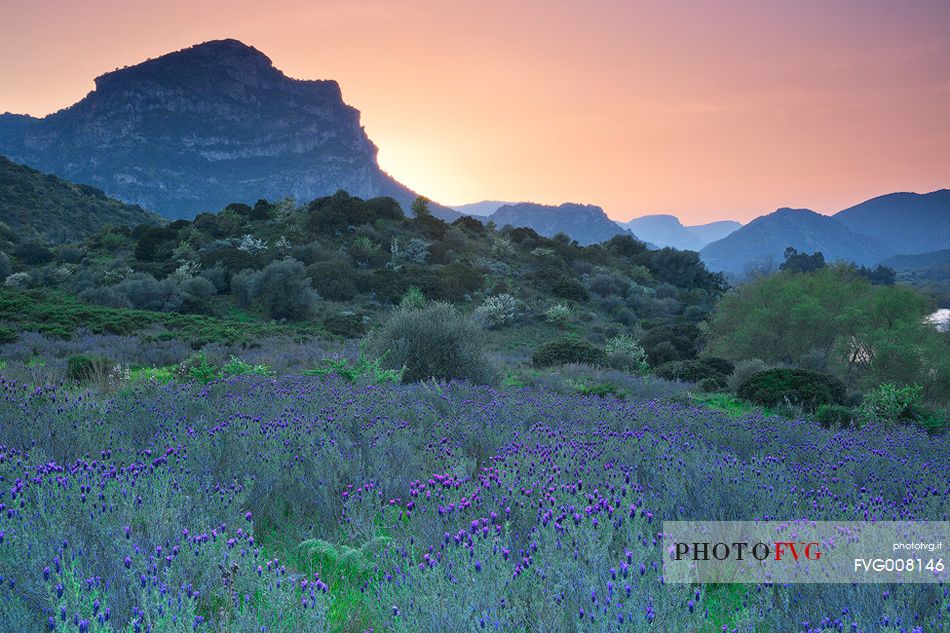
x,y
196,129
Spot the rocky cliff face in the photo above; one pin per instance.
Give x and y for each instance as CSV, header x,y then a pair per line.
x,y
197,129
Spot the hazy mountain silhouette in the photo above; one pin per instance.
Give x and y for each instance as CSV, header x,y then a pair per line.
x,y
664,230
765,239
909,223
713,231
202,127
481,209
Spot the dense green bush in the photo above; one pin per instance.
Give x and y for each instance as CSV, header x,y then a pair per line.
x,y
744,370
83,367
625,353
798,387
663,343
334,280
567,288
386,285
723,366
558,314
345,324
693,371
7,335
889,403
568,350
497,311
32,253
335,213
154,243
282,289
433,342
469,224
413,299
829,415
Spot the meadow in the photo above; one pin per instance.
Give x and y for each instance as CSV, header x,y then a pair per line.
x,y
312,503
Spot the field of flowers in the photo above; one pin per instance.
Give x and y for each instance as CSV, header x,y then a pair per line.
x,y
310,504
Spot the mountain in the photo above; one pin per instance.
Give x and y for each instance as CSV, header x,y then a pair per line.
x,y
194,130
929,272
908,223
714,231
921,262
483,209
37,206
765,239
664,230
586,223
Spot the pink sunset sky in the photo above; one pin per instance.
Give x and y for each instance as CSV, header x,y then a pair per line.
x,y
708,110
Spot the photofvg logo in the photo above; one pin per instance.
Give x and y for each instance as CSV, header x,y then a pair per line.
x,y
704,550
804,551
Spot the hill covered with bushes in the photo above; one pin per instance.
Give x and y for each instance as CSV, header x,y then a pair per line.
x,y
45,208
346,263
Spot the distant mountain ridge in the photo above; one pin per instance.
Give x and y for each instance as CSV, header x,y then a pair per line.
x,y
765,239
664,230
909,223
586,223
45,208
481,209
196,129
714,231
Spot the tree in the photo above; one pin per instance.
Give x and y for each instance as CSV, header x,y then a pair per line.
x,y
865,333
283,289
420,207
802,262
882,275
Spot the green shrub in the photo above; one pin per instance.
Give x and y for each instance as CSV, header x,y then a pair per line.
x,y
744,370
889,403
625,353
602,390
711,385
934,422
384,284
497,311
82,367
7,335
434,342
568,350
692,371
361,369
345,324
413,299
557,314
797,387
721,365
196,367
283,289
237,367
334,280
829,415
567,288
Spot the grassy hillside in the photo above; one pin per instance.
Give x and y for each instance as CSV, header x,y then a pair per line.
x,y
38,206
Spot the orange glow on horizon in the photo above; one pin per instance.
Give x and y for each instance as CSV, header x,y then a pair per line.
x,y
707,110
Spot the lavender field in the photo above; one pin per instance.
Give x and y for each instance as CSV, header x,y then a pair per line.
x,y
310,504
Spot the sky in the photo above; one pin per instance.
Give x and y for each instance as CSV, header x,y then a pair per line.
x,y
724,109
